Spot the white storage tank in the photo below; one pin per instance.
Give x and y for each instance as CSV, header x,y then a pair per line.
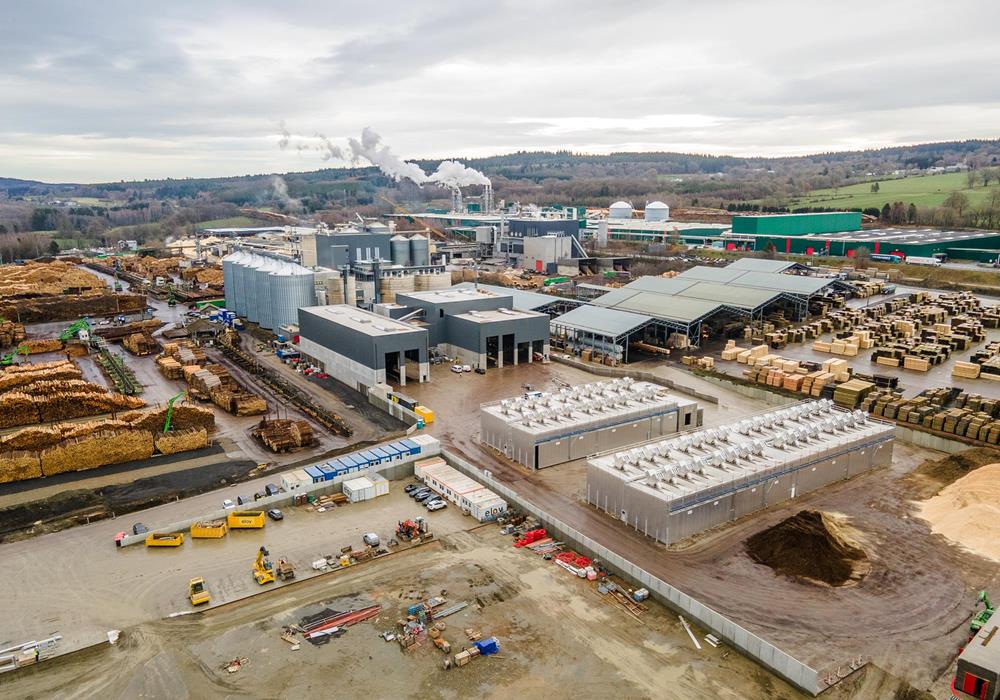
x,y
400,250
656,211
420,250
620,210
227,280
250,311
291,286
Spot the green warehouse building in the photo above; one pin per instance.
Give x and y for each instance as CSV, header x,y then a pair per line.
x,y
797,224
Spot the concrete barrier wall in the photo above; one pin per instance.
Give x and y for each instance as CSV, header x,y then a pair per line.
x,y
931,441
605,371
756,392
791,669
392,471
393,409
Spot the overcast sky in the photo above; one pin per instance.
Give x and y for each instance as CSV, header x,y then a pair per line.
x,y
99,91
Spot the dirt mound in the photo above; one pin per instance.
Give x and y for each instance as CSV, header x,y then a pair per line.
x,y
968,511
953,467
810,545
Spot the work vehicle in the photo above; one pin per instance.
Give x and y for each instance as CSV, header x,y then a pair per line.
x,y
214,530
170,411
370,539
984,615
8,359
263,570
409,529
165,539
228,504
886,257
286,572
275,514
197,591
437,505
245,520
929,262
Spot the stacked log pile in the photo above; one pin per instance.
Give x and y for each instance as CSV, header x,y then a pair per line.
x,y
208,381
55,400
37,279
20,375
284,435
211,276
141,344
42,451
40,345
10,333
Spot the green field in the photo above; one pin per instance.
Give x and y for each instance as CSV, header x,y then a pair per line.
x,y
231,222
925,191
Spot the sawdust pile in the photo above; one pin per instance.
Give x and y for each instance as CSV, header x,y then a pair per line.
x,y
968,511
810,545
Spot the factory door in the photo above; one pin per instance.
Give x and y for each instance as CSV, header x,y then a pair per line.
x,y
975,686
392,367
508,349
492,350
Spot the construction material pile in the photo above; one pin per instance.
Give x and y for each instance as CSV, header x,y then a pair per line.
x,y
141,344
29,394
945,410
35,279
10,333
811,546
150,267
284,435
968,512
212,276
43,451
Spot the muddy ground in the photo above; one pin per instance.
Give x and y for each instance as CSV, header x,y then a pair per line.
x,y
909,615
558,638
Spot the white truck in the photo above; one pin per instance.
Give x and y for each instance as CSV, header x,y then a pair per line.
x,y
930,262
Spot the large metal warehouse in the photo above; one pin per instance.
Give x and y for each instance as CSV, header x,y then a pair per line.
x,y
361,349
798,224
575,422
673,489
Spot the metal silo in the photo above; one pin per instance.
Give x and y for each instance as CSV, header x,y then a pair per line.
x,y
264,291
656,211
228,283
400,250
620,210
420,250
292,287
240,273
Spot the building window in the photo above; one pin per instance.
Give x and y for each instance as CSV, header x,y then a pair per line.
x,y
687,419
440,313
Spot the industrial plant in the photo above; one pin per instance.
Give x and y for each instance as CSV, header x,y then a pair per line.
x,y
550,428
673,489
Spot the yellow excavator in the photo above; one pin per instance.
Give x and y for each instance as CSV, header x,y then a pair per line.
x,y
197,591
263,570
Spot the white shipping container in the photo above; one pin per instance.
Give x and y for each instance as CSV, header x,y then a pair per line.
x,y
360,489
381,485
484,505
292,481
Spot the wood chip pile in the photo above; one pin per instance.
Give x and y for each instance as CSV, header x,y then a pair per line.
x,y
283,435
141,344
181,441
35,279
10,333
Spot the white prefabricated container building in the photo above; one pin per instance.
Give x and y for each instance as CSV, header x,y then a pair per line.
x,y
484,505
461,490
295,480
381,485
360,489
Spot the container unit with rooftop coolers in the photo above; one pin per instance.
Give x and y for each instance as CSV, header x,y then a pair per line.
x,y
576,422
676,488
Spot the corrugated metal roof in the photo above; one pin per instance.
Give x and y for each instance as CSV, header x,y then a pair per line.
x,y
671,308
523,301
615,297
793,284
730,295
760,265
660,285
710,274
602,321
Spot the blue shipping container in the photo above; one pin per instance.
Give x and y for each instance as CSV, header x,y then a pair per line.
x,y
414,447
393,452
328,472
372,457
315,474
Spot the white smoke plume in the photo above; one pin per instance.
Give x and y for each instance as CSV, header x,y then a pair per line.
x,y
370,149
280,188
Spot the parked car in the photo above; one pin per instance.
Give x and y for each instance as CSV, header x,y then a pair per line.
x,y
275,514
437,505
370,539
480,370
457,369
432,500
228,504
466,368
420,491
139,529
425,496
410,488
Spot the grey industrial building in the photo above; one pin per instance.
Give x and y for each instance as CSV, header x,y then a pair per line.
x,y
580,421
480,327
673,489
360,348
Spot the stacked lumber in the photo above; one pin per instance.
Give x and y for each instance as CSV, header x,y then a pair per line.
x,y
97,450
966,370
283,435
731,351
944,410
180,440
141,344
850,393
185,352
838,368
169,367
11,333
913,362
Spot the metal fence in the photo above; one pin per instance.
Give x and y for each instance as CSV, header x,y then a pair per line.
x,y
788,667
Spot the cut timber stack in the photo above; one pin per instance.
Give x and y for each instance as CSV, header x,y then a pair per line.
x,y
141,344
283,435
239,402
850,393
169,367
19,375
966,370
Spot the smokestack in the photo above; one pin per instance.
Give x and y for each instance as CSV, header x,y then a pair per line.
x,y
456,199
488,198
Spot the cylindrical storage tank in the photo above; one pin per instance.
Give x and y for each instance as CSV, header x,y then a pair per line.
x,y
228,285
292,287
262,292
620,210
400,250
657,211
238,304
250,309
420,250
391,285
